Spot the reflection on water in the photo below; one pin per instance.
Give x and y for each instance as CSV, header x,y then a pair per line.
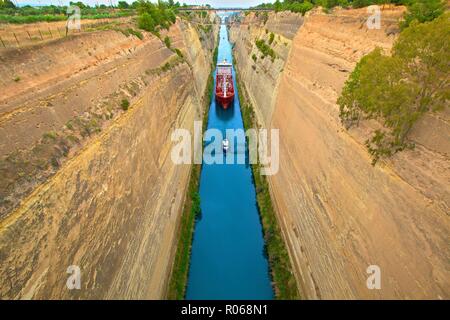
x,y
224,115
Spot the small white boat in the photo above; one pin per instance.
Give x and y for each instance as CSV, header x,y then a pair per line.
x,y
225,145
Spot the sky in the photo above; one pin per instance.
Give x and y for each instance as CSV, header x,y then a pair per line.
x,y
214,3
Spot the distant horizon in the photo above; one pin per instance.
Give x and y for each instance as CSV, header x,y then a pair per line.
x,y
213,3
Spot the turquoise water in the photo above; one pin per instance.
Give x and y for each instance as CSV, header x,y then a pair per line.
x,y
228,260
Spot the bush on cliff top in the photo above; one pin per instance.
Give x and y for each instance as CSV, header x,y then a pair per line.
x,y
399,89
422,10
153,17
146,22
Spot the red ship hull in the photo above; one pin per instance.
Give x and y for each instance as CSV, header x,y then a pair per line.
x,y
224,84
225,102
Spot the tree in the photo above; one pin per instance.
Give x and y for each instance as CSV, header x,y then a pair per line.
x,y
161,15
7,4
146,22
171,15
399,89
167,42
123,5
361,3
79,4
277,6
423,10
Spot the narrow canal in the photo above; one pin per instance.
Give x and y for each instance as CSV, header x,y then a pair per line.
x,y
228,260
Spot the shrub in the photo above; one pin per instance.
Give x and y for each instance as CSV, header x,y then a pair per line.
x,y
344,3
361,3
167,42
271,38
123,5
254,57
51,135
166,67
7,4
179,53
146,22
265,49
423,11
328,4
161,14
125,104
298,7
135,33
399,89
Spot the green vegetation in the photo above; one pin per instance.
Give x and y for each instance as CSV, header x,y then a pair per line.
x,y
254,57
135,33
50,136
271,38
89,127
265,49
169,65
284,281
27,14
166,67
7,4
399,89
146,22
124,104
167,42
297,6
16,79
123,5
215,57
205,28
191,210
127,32
179,53
154,17
423,11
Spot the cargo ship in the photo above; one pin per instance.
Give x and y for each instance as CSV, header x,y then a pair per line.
x,y
224,84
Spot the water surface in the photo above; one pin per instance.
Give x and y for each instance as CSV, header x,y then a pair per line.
x,y
228,260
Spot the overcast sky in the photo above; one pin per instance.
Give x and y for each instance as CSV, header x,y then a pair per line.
x,y
214,3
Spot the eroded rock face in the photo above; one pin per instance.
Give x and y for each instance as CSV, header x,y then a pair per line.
x,y
261,74
338,213
113,207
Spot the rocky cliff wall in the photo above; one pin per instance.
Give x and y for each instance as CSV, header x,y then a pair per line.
x,y
112,208
339,214
261,75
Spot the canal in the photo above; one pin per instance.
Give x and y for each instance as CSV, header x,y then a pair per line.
x,y
227,259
